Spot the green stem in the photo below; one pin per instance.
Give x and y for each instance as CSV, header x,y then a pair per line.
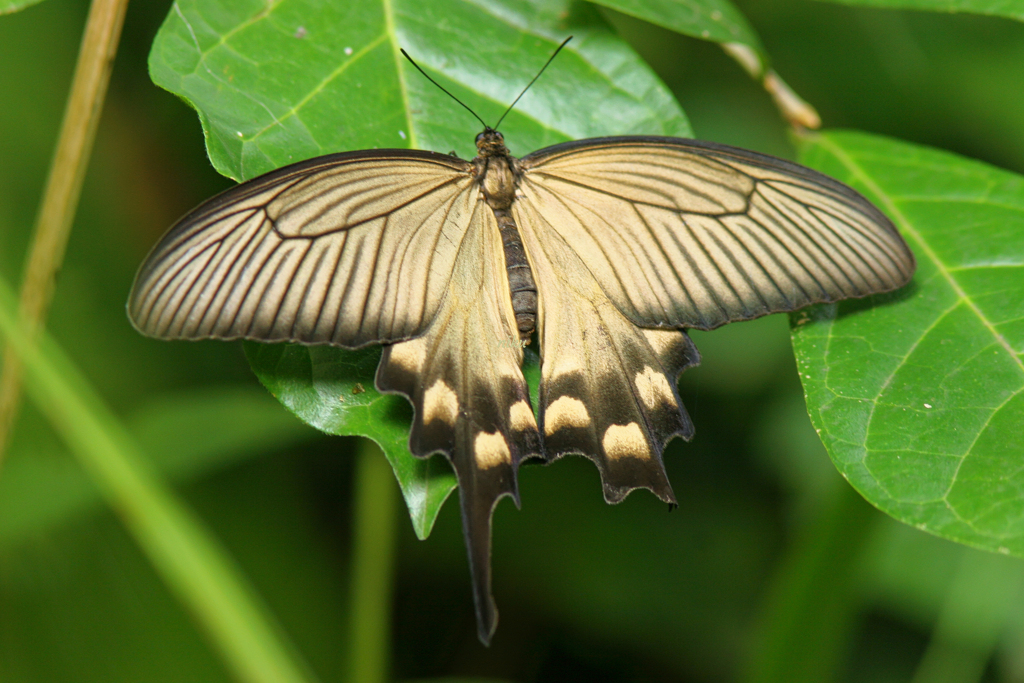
x,y
374,518
189,560
63,187
811,605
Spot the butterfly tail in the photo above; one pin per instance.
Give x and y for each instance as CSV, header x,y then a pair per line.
x,y
484,425
480,489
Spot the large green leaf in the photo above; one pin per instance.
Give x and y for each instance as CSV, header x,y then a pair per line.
x,y
919,395
1014,9
333,390
280,83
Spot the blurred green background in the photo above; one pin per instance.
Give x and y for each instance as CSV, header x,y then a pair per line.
x,y
769,547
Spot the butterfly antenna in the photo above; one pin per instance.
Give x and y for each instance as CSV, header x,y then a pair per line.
x,y
550,59
418,68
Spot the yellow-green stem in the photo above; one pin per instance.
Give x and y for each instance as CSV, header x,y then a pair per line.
x,y
979,605
811,605
63,187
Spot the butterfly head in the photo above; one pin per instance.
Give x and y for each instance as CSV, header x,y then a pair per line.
x,y
491,143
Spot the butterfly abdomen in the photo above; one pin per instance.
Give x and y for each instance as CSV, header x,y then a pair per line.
x,y
520,279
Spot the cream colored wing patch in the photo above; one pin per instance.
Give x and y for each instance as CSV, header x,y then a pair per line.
x,y
491,450
440,403
653,388
565,411
521,417
625,441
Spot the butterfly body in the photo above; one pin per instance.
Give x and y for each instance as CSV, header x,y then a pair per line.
x,y
497,172
608,248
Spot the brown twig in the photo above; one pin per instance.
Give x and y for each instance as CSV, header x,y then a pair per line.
x,y
63,187
796,111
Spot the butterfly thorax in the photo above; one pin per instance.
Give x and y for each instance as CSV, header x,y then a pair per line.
x,y
496,171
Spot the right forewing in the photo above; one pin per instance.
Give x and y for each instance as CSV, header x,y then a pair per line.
x,y
347,249
683,233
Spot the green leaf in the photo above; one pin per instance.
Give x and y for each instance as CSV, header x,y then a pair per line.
x,y
716,20
919,395
8,6
275,84
1013,9
281,83
333,390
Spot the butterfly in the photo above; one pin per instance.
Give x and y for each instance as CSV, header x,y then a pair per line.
x,y
607,249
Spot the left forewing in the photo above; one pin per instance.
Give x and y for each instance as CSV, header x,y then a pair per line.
x,y
347,249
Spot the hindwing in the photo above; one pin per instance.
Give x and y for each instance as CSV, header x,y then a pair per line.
x,y
608,388
471,401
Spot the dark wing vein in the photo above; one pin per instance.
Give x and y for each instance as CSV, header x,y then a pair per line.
x,y
702,276
830,247
623,196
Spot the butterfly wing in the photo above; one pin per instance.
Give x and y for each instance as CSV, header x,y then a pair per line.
x,y
346,249
630,236
349,249
623,235
683,233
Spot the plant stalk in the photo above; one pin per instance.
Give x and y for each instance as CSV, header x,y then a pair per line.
x,y
63,188
812,605
979,605
190,561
